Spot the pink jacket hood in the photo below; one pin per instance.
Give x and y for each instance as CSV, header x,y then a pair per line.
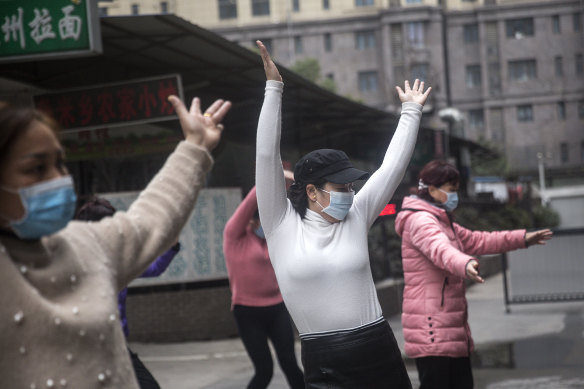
x,y
435,253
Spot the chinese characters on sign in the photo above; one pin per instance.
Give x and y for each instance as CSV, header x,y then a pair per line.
x,y
52,28
138,101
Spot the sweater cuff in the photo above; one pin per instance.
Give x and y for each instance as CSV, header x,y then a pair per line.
x,y
411,106
273,84
197,152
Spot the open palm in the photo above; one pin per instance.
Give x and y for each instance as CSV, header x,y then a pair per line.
x,y
414,94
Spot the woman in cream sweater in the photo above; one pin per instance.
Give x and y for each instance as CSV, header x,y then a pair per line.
x,y
60,279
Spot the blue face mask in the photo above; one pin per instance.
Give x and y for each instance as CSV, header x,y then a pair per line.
x,y
451,201
48,207
259,232
340,204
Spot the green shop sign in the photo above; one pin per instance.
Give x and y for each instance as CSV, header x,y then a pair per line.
x,y
35,29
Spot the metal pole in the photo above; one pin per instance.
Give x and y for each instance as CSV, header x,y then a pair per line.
x,y
505,286
540,166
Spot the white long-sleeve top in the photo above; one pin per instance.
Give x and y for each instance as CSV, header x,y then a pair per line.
x,y
323,268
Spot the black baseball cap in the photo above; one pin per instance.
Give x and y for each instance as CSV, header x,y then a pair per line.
x,y
328,164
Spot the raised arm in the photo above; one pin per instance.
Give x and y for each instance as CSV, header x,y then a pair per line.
x,y
379,189
238,222
271,193
132,239
161,263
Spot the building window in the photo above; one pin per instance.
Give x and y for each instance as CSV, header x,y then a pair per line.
x,y
525,113
522,70
564,152
103,11
579,65
325,4
413,1
581,109
561,110
519,28
164,7
419,71
365,40
227,9
368,81
260,7
577,21
328,42
363,3
415,33
470,33
582,151
298,48
559,66
476,119
473,76
135,9
330,76
556,27
296,5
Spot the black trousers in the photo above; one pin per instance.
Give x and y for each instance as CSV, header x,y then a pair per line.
x,y
444,373
366,358
143,375
258,324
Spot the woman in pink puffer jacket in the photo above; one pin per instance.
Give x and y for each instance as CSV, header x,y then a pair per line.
x,y
437,256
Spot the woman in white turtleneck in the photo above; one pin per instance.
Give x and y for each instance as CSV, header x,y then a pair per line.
x,y
317,241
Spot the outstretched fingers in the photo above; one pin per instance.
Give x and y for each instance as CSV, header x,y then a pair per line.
x,y
221,111
179,107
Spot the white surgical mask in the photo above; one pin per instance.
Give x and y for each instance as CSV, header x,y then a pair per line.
x,y
339,205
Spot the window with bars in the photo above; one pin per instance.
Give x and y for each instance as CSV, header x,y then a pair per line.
x,y
473,76
556,26
328,42
365,39
470,33
227,9
476,119
577,21
561,110
564,152
296,5
325,4
419,71
519,28
415,33
260,7
164,7
522,70
525,113
298,47
363,3
368,81
559,66
135,9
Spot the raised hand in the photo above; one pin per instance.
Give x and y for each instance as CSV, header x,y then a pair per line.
x,y
203,129
537,237
270,68
415,94
472,271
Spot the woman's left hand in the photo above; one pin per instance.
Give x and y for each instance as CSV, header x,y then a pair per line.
x,y
270,67
415,94
537,237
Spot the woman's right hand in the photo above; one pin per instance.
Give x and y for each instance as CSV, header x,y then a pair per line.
x,y
270,68
202,129
472,271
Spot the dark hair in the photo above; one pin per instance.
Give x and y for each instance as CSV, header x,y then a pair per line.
x,y
95,209
437,173
298,197
15,120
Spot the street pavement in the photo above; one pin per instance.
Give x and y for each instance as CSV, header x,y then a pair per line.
x,y
536,346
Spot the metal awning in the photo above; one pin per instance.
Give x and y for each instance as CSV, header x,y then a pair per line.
x,y
213,67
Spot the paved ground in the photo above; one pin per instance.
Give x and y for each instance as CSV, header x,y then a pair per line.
x,y
536,346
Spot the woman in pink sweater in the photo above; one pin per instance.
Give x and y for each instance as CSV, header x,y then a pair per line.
x,y
256,301
437,256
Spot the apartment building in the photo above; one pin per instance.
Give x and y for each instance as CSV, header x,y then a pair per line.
x,y
510,72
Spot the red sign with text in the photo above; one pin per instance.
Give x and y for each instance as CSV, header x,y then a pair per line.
x,y
137,101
